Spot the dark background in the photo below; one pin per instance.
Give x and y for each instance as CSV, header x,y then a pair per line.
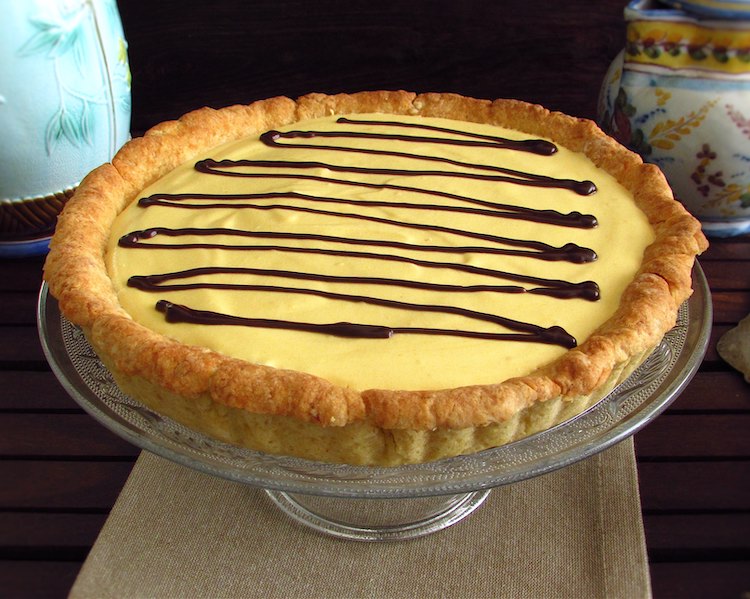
x,y
62,471
188,54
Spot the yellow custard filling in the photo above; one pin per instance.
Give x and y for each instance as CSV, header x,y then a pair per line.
x,y
321,256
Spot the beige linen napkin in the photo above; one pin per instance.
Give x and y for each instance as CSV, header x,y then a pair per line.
x,y
175,532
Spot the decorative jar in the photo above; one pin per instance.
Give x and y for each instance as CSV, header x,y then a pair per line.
x,y
64,109
679,95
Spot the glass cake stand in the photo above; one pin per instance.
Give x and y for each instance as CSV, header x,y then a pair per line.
x,y
380,504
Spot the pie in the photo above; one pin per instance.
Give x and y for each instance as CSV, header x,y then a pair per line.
x,y
378,278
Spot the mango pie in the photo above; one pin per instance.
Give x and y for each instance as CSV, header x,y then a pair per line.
x,y
378,278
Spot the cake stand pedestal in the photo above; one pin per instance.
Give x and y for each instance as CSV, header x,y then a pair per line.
x,y
378,519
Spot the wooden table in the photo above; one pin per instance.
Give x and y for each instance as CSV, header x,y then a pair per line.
x,y
61,471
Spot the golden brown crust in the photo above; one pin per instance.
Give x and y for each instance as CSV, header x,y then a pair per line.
x,y
77,276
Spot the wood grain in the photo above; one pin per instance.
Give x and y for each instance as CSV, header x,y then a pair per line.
x,y
62,471
242,52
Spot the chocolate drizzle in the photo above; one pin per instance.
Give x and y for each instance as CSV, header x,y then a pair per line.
x,y
179,313
494,209
535,146
226,168
587,290
535,249
218,238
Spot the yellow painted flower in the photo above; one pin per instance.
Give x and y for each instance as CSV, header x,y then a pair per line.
x,y
723,41
122,52
700,39
654,35
122,58
662,96
673,37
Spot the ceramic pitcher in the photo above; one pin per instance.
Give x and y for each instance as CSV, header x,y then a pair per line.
x,y
64,109
679,95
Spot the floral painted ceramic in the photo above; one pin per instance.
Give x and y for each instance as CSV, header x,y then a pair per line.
x,y
715,9
679,94
64,109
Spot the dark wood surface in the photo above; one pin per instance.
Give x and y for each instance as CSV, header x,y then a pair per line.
x,y
61,472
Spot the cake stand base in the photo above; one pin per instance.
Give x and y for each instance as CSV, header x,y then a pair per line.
x,y
378,519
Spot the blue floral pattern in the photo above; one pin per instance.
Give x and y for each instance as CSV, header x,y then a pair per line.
x,y
74,34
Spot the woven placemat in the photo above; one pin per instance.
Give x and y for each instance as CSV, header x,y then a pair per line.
x,y
175,532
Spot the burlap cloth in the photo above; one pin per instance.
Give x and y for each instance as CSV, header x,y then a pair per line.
x,y
175,532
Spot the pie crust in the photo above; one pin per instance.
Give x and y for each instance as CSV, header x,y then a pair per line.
x,y
293,413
